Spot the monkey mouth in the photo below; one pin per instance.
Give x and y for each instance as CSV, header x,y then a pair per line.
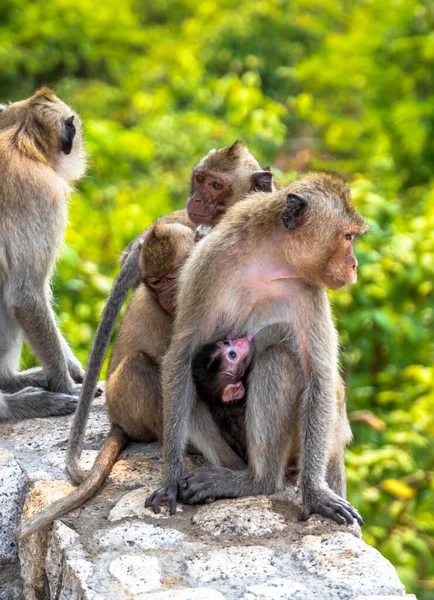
x,y
201,218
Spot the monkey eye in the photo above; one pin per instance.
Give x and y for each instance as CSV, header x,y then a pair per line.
x,y
349,237
216,185
226,343
153,282
232,355
200,178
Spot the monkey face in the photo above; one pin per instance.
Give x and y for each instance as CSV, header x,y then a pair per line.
x,y
235,356
165,290
209,197
341,268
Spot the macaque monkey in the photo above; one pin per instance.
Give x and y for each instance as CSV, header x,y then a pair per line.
x,y
41,154
133,391
219,372
271,258
218,181
219,368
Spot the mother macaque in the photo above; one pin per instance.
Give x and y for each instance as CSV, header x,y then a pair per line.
x,y
295,243
222,178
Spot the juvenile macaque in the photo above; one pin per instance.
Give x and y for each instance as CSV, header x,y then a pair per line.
x,y
271,259
218,181
41,154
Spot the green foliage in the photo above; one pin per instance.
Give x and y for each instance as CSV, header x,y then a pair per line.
x,y
343,85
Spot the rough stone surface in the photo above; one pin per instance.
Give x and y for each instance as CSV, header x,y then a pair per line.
x,y
190,594
342,558
406,597
245,516
232,563
112,548
139,535
12,493
137,573
278,589
32,550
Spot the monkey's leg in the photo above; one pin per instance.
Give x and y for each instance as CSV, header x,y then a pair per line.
x,y
36,318
207,438
272,394
134,397
341,436
11,338
74,366
33,402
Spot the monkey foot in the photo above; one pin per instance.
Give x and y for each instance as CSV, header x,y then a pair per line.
x,y
164,493
32,402
327,503
197,488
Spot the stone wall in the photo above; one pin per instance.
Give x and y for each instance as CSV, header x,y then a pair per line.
x,y
113,548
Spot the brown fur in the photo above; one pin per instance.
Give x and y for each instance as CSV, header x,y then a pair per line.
x,y
245,175
133,389
133,393
296,242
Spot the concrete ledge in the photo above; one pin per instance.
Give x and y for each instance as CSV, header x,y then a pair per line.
x,y
115,549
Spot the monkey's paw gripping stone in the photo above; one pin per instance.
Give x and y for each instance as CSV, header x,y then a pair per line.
x,y
245,516
133,505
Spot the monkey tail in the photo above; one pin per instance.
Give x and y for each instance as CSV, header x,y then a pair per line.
x,y
110,450
126,277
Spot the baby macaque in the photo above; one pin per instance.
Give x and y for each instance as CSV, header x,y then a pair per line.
x,y
219,372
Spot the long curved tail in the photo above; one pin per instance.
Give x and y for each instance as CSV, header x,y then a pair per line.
x,y
126,277
110,450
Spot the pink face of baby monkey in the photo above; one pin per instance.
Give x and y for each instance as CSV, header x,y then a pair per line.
x,y
236,356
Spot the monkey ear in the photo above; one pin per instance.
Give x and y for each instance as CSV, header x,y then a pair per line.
x,y
235,148
67,135
233,391
2,107
294,211
262,181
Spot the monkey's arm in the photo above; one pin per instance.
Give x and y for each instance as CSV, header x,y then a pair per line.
x,y
74,366
127,276
179,396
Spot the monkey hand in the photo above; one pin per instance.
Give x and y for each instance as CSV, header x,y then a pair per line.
x,y
325,502
169,492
